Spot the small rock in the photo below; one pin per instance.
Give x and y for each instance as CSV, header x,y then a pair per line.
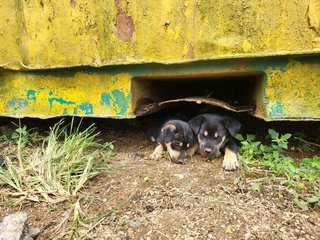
x,y
14,227
149,208
134,223
138,157
31,234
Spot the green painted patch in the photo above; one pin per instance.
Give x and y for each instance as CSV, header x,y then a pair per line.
x,y
31,95
60,100
121,101
276,110
87,107
17,103
105,99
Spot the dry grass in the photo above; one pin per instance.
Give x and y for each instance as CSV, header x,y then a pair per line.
x,y
56,169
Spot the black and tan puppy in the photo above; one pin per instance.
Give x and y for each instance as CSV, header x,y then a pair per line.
x,y
215,134
177,137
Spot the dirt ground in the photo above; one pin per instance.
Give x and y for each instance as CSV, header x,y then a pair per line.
x,y
197,200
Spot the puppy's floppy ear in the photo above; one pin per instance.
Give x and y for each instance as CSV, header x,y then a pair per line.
x,y
195,123
232,125
166,133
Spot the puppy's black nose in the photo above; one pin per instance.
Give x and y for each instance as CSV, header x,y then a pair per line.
x,y
207,150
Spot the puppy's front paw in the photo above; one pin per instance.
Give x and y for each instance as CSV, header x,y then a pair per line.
x,y
156,155
192,150
230,160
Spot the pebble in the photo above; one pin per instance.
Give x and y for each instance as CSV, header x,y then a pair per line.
x,y
14,226
134,223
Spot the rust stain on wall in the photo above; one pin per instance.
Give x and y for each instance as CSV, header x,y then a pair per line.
x,y
124,26
73,3
314,15
190,51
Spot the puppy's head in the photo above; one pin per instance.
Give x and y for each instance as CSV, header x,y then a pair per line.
x,y
177,136
212,132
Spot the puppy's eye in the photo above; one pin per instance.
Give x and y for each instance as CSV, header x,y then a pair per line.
x,y
205,133
180,144
176,147
216,135
188,145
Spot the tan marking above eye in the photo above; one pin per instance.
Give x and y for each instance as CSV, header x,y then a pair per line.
x,y
169,126
205,133
181,144
216,135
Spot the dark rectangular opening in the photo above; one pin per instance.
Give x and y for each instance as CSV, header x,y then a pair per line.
x,y
235,89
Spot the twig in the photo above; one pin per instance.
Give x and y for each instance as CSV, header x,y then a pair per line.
x,y
103,216
234,198
311,143
93,227
264,179
260,171
288,219
162,234
312,230
58,227
276,229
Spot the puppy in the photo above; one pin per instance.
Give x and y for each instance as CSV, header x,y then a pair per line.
x,y
177,137
215,134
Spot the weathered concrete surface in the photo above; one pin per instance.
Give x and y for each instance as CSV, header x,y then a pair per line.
x,y
289,88
40,34
62,93
278,39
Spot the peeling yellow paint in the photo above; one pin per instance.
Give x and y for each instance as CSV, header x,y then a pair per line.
x,y
267,39
246,46
52,34
82,94
205,22
176,35
293,92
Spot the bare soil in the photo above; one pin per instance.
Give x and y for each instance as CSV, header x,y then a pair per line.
x,y
198,200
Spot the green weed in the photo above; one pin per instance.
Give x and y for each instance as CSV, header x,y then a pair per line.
x,y
301,177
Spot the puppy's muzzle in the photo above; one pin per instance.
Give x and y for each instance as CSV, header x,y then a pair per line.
x,y
214,153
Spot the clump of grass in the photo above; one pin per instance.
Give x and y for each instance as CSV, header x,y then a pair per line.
x,y
59,167
302,178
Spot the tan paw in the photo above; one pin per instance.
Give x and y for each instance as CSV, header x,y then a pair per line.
x,y
156,155
230,160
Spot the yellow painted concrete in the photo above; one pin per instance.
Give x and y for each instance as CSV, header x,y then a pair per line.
x,y
81,94
41,34
293,91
